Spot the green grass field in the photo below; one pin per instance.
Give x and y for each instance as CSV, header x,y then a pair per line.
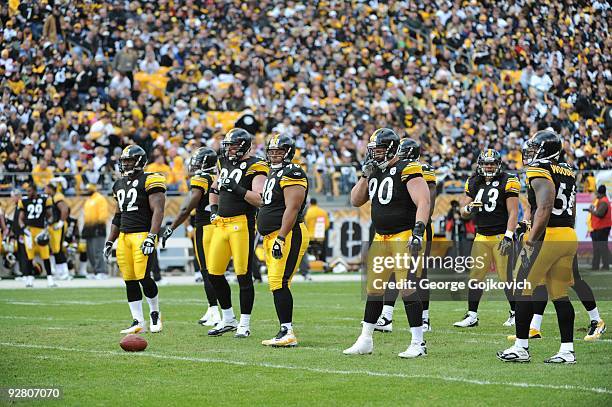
x,y
69,338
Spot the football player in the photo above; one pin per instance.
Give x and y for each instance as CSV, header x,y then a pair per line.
x,y
35,213
57,230
203,165
140,200
491,195
410,150
285,237
549,249
400,210
234,197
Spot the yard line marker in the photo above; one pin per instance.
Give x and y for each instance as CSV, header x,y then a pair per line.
x,y
600,390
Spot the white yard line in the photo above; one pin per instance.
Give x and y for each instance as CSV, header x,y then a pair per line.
x,y
570,387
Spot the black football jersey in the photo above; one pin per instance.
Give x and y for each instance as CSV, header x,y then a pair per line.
x,y
270,216
202,212
564,178
35,210
492,219
243,172
393,210
132,198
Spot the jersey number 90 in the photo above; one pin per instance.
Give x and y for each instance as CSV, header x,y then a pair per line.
x,y
384,191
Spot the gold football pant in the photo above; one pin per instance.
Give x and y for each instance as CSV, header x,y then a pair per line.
x,y
281,271
387,248
33,248
233,237
551,263
202,236
485,253
56,238
133,265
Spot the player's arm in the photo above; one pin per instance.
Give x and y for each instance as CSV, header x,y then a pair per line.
x,y
544,190
432,198
253,196
467,202
188,205
420,194
114,231
512,203
63,209
294,197
157,201
359,193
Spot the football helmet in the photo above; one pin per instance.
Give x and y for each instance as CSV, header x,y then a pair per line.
x,y
409,149
132,161
383,146
283,143
489,158
203,161
43,238
236,144
543,146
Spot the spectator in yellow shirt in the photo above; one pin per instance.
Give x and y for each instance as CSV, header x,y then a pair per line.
x,y
317,222
42,174
159,165
177,167
95,217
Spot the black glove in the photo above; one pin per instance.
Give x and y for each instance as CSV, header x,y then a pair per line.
x,y
108,248
277,247
505,245
148,245
526,257
416,241
522,228
213,212
367,168
230,185
165,235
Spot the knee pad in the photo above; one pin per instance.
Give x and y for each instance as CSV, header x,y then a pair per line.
x,y
149,287
245,282
133,291
411,297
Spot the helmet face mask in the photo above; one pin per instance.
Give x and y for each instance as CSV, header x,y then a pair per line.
x,y
544,146
280,151
409,150
203,161
236,144
383,147
132,161
489,163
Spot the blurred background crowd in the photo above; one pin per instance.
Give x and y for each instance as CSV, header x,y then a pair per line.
x,y
80,79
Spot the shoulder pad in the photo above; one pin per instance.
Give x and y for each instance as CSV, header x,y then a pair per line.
x,y
154,180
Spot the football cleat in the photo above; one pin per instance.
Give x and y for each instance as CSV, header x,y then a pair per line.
x,y
223,327
211,317
135,328
533,334
467,322
242,332
514,354
155,324
562,357
51,282
427,326
595,330
414,351
283,339
510,320
29,281
384,325
363,346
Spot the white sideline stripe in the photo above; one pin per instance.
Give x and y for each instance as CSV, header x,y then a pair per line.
x,y
601,390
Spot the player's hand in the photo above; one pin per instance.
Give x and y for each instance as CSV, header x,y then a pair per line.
x,y
416,241
58,225
505,245
277,247
165,235
148,245
472,207
367,168
213,213
526,256
230,185
108,248
27,233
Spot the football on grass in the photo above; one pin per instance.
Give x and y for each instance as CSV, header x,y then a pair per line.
x,y
133,343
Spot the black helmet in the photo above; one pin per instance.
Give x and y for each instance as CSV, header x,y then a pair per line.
x,y
281,142
204,160
239,138
545,145
383,138
489,156
43,238
409,149
132,161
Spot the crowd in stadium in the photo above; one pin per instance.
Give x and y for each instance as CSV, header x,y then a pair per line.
x,y
79,80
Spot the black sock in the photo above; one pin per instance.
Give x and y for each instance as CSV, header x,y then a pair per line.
x,y
133,291
523,316
565,317
247,293
48,267
474,296
391,296
373,309
414,309
149,287
223,291
283,302
211,296
510,297
60,257
423,294
585,293
540,299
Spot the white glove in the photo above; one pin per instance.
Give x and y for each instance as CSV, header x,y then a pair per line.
x,y
58,225
148,245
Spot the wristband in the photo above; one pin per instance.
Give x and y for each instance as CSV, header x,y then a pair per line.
x,y
282,239
509,234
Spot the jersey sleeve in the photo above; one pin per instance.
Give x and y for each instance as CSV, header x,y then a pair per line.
x,y
411,170
513,187
538,172
258,167
200,183
429,175
294,175
155,182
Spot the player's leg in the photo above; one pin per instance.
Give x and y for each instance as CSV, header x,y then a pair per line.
x,y
424,293
82,249
25,256
503,265
143,269
202,236
481,249
280,274
539,299
45,254
56,240
217,265
385,321
125,262
597,326
242,242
